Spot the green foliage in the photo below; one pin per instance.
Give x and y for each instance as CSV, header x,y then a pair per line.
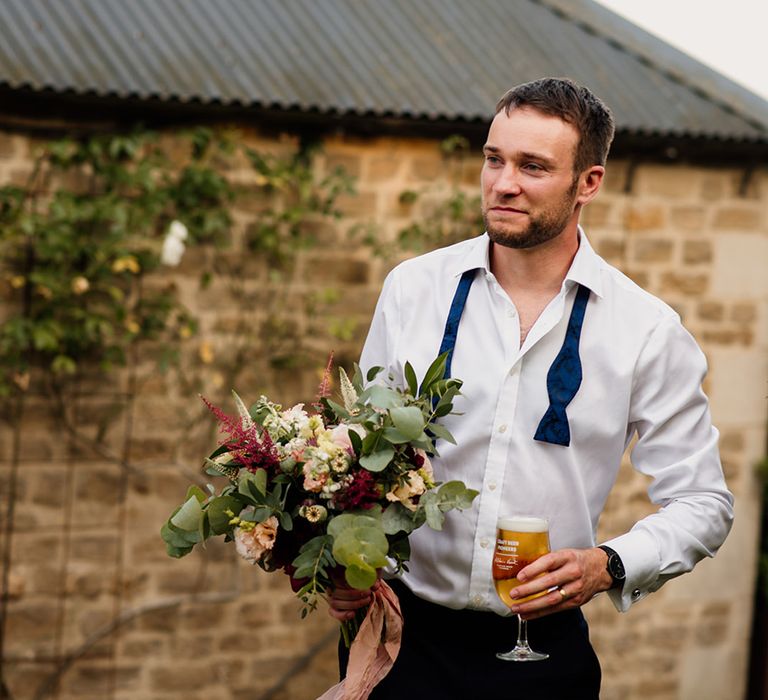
x,y
300,198
78,240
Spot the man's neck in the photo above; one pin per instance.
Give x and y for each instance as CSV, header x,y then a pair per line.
x,y
534,272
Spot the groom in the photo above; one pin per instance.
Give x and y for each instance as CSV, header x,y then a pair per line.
x,y
565,361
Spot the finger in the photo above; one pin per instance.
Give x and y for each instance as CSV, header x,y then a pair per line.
x,y
552,602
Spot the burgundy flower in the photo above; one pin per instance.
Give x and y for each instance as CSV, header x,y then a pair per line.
x,y
251,446
362,492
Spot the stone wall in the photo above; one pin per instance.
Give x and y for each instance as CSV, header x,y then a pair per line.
x,y
98,611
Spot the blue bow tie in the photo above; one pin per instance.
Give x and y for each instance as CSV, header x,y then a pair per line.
x,y
564,376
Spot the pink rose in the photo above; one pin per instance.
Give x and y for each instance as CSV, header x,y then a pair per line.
x,y
340,435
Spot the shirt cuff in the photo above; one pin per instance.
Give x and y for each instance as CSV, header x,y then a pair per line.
x,y
640,556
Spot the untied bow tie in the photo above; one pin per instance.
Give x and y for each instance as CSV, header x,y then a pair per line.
x,y
564,375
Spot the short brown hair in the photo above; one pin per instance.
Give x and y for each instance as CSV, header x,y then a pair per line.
x,y
575,104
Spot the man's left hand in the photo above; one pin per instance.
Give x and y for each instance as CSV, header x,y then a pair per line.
x,y
577,575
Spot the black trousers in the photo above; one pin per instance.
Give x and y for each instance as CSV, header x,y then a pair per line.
x,y
451,655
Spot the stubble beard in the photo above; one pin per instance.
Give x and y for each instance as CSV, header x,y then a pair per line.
x,y
542,228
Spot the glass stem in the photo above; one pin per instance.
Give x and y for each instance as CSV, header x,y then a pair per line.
x,y
522,633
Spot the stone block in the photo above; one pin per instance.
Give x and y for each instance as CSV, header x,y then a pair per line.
x,y
8,146
668,181
653,250
684,283
731,441
739,267
745,312
644,218
258,613
697,252
615,179
95,547
142,647
178,677
596,215
31,628
362,204
33,548
383,168
89,679
24,679
727,336
687,218
611,248
98,492
711,311
738,218
349,163
426,169
337,270
714,187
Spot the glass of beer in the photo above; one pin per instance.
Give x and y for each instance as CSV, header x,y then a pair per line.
x,y
519,541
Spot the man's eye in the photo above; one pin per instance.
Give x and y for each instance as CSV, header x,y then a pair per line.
x,y
533,167
492,160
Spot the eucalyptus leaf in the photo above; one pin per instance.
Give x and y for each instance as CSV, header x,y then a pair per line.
x,y
408,420
257,479
189,516
410,378
377,461
454,494
381,397
217,516
372,373
434,516
397,518
360,575
434,372
440,431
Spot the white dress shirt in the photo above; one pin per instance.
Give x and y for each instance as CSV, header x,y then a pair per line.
x,y
642,374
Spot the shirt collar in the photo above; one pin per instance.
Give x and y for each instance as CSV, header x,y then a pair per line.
x,y
585,268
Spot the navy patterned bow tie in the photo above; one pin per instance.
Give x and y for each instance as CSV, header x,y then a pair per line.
x,y
564,375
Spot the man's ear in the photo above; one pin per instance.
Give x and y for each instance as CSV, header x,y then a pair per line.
x,y
589,183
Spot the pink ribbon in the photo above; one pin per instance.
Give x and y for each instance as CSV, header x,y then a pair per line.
x,y
374,649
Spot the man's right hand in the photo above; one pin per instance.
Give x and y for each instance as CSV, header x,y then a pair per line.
x,y
344,601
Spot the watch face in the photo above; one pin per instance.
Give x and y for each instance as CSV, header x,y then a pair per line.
x,y
616,568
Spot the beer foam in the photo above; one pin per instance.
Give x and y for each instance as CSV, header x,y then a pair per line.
x,y
522,523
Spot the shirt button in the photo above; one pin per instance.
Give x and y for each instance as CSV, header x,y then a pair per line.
x,y
492,486
503,428
484,543
477,600
511,313
636,593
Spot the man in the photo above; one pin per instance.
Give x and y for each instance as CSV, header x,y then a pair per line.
x,y
564,361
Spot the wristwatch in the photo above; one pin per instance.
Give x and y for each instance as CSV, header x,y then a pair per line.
x,y
614,567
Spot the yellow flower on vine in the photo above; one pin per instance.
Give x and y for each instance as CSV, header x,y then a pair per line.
x,y
80,285
206,352
127,263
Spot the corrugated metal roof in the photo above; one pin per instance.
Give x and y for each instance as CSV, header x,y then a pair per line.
x,y
425,59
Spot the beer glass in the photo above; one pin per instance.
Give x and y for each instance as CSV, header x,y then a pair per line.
x,y
519,541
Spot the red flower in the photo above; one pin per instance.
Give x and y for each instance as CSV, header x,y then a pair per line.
x,y
251,446
362,492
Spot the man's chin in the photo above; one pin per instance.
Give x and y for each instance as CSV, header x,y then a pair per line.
x,y
521,240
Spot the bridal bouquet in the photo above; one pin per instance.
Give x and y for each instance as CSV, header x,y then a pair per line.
x,y
328,493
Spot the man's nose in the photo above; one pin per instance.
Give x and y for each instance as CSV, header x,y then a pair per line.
x,y
508,182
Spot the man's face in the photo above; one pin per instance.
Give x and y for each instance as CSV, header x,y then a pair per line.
x,y
529,192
